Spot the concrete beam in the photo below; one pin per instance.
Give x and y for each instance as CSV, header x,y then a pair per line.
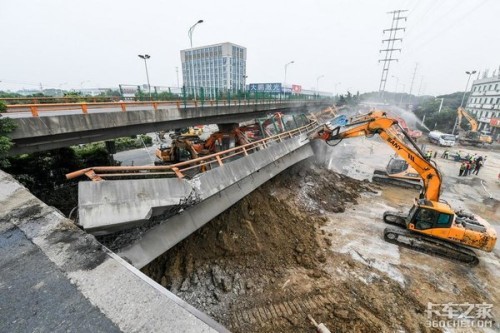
x,y
164,236
108,206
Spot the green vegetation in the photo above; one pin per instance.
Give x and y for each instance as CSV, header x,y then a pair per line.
x,y
349,99
442,121
121,144
44,173
3,107
7,125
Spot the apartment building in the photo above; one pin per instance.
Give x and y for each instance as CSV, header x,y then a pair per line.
x,y
484,104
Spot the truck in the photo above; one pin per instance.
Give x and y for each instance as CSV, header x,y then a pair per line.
x,y
442,139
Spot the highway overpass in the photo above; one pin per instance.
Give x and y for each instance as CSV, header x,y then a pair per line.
x,y
49,126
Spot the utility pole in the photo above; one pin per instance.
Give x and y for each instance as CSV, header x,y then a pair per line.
x,y
177,72
420,86
412,81
393,32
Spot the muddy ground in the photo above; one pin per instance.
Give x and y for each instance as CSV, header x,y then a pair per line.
x,y
309,242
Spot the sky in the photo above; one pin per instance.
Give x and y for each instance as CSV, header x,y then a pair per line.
x,y
73,44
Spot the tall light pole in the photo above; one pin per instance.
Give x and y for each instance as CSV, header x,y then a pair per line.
x,y
284,82
317,83
190,34
286,65
145,57
245,85
463,98
465,91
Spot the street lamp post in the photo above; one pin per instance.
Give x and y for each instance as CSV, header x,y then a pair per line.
x,y
190,34
145,57
245,86
463,98
317,83
286,65
465,91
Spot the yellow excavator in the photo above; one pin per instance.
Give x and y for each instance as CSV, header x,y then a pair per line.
x,y
431,226
471,137
397,172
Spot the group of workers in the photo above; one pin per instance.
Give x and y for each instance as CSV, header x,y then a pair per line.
x,y
471,166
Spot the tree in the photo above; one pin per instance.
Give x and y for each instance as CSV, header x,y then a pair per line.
x,y
444,120
7,125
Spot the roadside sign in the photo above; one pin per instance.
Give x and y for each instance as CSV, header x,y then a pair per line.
x,y
265,87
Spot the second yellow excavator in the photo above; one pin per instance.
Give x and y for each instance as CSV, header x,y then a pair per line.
x,y
431,225
472,136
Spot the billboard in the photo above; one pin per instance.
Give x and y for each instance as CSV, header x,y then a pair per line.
x,y
265,87
296,89
495,122
128,91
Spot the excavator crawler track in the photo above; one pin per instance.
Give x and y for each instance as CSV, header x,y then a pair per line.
x,y
433,246
394,218
381,176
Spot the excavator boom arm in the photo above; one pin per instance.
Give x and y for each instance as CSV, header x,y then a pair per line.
x,y
473,123
382,126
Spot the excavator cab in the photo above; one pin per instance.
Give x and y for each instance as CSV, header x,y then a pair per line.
x,y
423,217
396,166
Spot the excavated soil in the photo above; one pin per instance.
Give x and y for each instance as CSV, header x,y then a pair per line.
x,y
266,263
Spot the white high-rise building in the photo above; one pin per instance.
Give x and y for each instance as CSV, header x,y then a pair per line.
x,y
218,67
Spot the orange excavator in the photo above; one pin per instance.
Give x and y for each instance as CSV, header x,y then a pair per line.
x,y
473,136
185,148
181,149
431,226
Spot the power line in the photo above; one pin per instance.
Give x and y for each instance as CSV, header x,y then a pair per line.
x,y
393,34
440,33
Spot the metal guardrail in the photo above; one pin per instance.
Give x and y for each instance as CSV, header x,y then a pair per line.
x,y
86,107
53,100
194,166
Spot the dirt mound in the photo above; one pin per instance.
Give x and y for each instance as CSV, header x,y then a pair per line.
x,y
260,266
